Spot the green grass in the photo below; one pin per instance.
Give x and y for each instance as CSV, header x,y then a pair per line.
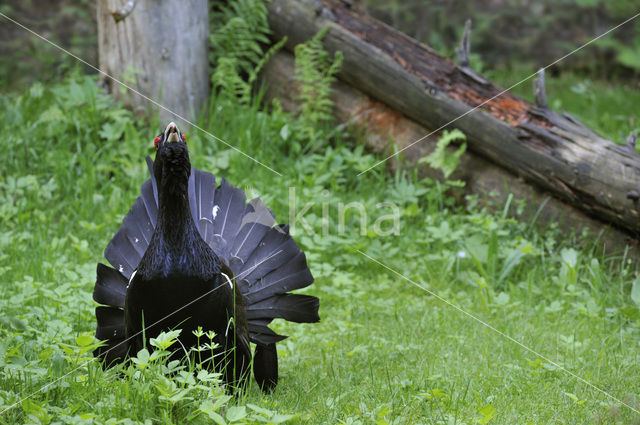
x,y
385,352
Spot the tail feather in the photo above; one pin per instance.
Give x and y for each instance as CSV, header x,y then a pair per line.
x,y
275,249
138,236
111,287
137,231
111,328
257,219
110,323
265,366
204,192
230,203
291,307
293,275
154,184
206,231
151,207
132,239
261,333
121,254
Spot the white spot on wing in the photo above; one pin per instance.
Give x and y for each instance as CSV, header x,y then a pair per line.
x,y
120,269
131,278
215,211
137,240
228,280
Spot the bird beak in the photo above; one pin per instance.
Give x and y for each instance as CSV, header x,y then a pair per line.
x,y
172,133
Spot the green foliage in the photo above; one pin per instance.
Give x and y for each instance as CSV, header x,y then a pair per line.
x,y
239,30
385,352
625,53
635,291
441,158
315,70
26,59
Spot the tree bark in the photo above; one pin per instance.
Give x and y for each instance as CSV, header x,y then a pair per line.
x,y
493,184
159,48
553,151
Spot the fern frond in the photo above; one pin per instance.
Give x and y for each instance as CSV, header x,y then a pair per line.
x,y
239,30
315,71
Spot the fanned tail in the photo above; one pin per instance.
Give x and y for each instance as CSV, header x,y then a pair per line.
x,y
266,262
264,258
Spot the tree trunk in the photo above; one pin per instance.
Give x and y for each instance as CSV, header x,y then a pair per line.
x,y
159,48
379,124
554,151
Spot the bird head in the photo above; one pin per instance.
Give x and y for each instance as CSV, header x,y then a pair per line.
x,y
172,166
171,134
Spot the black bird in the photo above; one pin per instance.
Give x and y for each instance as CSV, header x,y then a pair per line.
x,y
190,254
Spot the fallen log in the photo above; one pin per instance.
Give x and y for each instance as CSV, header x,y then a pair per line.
x,y
554,151
491,183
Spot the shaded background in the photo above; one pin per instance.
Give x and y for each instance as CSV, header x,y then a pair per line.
x,y
530,33
506,34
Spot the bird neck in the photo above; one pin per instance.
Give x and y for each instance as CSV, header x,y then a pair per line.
x,y
174,222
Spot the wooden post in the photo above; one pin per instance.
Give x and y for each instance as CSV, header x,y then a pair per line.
x,y
464,49
539,90
159,48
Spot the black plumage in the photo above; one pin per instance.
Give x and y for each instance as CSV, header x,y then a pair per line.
x,y
111,287
181,239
